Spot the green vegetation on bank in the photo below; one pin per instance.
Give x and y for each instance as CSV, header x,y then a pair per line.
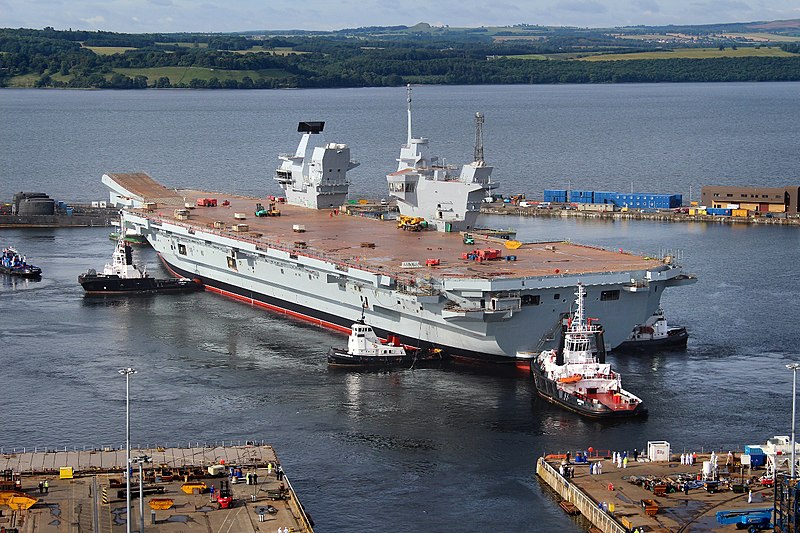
x,y
392,56
696,53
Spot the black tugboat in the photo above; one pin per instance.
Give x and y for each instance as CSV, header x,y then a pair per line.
x,y
121,276
576,375
655,334
14,264
365,350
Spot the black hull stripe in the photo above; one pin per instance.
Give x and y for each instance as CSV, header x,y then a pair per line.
x,y
321,318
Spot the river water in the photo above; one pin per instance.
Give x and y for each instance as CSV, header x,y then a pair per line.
x,y
430,449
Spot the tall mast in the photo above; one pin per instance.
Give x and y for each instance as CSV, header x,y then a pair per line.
x,y
577,320
408,88
478,138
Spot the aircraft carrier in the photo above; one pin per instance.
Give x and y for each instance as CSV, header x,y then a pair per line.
x,y
316,259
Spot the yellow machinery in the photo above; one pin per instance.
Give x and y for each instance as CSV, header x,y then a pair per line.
x,y
410,223
513,245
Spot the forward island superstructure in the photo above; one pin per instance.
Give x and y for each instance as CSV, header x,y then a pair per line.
x,y
425,188
426,288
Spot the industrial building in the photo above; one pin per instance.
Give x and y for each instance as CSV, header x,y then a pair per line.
x,y
756,199
631,200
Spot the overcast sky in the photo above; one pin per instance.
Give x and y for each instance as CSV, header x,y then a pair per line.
x,y
139,16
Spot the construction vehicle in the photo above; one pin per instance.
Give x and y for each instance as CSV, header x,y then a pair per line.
x,y
517,198
10,481
206,202
411,223
752,519
488,254
469,239
225,497
272,211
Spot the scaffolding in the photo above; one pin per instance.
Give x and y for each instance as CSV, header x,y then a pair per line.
x,y
785,518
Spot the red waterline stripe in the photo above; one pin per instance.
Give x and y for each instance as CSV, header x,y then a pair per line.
x,y
253,301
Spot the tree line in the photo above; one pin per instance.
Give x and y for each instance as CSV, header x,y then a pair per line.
x,y
55,58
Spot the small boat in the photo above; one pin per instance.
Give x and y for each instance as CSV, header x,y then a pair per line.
x,y
365,350
505,234
14,264
569,508
131,238
121,276
576,375
655,333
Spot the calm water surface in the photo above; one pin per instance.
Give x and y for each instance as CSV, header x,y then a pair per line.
x,y
432,449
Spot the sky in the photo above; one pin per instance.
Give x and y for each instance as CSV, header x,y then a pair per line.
x,y
143,16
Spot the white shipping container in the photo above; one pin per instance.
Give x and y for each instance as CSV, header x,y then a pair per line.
x,y
216,470
658,450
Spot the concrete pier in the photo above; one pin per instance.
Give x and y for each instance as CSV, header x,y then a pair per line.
x,y
86,491
676,511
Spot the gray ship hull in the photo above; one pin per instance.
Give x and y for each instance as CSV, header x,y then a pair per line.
x,y
323,294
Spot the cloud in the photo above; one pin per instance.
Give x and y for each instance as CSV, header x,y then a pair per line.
x,y
646,7
583,7
95,21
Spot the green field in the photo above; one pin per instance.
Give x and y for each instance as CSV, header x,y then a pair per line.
x,y
770,37
109,50
184,45
176,75
186,74
274,51
695,53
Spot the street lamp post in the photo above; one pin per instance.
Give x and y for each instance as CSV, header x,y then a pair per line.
x,y
127,373
793,367
141,460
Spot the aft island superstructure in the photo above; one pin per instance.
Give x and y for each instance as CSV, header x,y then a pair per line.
x,y
427,288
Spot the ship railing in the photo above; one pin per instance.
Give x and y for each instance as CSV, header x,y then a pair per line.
x,y
417,291
262,244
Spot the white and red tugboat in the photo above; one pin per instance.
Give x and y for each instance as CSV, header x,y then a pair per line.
x,y
365,350
576,376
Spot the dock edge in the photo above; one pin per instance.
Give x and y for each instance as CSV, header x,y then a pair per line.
x,y
573,494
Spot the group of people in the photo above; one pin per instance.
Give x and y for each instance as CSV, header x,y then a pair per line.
x,y
621,458
278,471
44,487
688,458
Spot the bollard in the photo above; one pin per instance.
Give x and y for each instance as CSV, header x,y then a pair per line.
x,y
253,497
153,517
260,517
